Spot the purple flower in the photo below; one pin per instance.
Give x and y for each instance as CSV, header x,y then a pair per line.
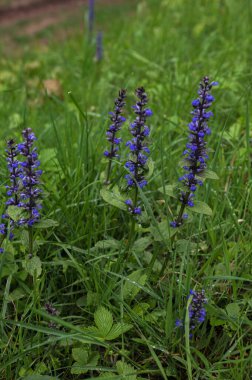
x,y
117,120
197,311
137,145
178,323
13,187
2,229
195,156
133,210
139,151
14,170
30,179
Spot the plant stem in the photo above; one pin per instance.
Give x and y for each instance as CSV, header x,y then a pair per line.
x,y
182,208
108,171
30,235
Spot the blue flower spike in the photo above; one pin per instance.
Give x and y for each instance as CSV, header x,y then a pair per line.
x,y
117,121
139,151
196,155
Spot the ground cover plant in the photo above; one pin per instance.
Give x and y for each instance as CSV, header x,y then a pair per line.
x,y
138,264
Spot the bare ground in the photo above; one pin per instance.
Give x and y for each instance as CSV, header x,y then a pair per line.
x,y
39,14
31,10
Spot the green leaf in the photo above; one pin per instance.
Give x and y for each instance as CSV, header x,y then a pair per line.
x,y
168,190
14,212
151,166
33,266
209,174
40,377
16,295
141,244
107,244
7,264
147,258
117,330
113,197
46,223
108,376
217,322
47,155
201,208
131,286
233,310
103,320
80,355
162,231
126,370
83,359
184,245
141,308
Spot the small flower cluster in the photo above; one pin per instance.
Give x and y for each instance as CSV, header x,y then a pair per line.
x,y
15,171
133,210
117,121
24,176
30,179
195,156
13,188
138,147
197,312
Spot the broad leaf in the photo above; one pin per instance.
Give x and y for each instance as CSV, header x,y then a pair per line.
x,y
162,231
103,320
117,330
184,245
131,286
108,376
80,355
14,212
107,244
201,208
233,310
113,197
84,359
46,223
126,370
141,244
210,174
33,266
40,377
168,190
150,165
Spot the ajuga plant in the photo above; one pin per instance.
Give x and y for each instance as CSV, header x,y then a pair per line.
x,y
23,191
12,188
30,192
117,120
195,154
196,310
139,151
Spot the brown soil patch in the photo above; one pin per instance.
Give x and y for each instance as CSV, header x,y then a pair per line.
x,y
31,9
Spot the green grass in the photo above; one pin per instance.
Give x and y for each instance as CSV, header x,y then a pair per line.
x,y
167,47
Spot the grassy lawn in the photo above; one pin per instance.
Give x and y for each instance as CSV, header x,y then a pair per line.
x,y
91,291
